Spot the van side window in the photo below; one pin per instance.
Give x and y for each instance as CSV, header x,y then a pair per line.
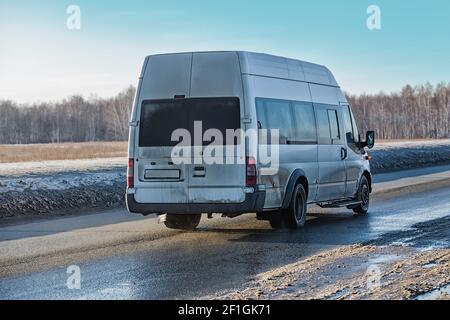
x,y
334,124
305,122
276,114
328,125
355,127
323,125
261,114
348,127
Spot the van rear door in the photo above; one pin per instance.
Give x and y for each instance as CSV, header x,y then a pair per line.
x,y
176,91
203,173
217,174
160,179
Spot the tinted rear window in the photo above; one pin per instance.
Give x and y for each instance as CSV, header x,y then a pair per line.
x,y
160,118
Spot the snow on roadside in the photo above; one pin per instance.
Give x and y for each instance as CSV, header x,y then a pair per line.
x,y
37,188
392,156
60,166
60,182
41,188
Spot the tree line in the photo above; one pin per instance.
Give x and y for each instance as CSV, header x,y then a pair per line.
x,y
414,113
71,120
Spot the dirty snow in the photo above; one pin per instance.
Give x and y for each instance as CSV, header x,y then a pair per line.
x,y
392,156
36,188
60,166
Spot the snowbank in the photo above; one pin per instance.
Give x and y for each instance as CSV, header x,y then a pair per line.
x,y
407,155
38,188
41,188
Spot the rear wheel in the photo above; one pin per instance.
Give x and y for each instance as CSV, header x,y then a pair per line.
x,y
363,196
295,216
182,221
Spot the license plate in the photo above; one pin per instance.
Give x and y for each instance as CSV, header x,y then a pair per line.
x,y
162,174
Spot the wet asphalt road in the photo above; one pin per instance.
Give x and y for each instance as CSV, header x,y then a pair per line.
x,y
222,254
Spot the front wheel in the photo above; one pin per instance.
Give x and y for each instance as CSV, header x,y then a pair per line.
x,y
363,196
182,221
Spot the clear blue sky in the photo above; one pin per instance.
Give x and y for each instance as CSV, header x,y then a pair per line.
x,y
40,59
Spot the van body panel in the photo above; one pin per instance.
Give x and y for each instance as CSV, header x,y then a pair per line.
x,y
295,70
263,65
264,87
354,168
318,74
292,156
217,183
332,173
354,162
193,76
332,170
164,189
324,94
216,75
166,76
284,68
134,113
341,97
300,156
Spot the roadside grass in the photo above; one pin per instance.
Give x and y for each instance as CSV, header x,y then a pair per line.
x,y
11,153
61,151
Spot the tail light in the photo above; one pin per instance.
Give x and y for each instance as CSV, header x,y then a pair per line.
x,y
130,173
251,173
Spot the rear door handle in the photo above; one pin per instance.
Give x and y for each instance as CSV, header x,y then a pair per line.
x,y
199,172
343,153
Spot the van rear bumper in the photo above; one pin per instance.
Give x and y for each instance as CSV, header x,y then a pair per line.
x,y
254,202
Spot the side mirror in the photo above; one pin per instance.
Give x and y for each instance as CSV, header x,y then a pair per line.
x,y
370,140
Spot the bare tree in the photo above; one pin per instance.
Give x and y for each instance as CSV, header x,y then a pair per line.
x,y
415,112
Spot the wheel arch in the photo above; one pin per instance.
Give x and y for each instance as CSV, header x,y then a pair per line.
x,y
298,176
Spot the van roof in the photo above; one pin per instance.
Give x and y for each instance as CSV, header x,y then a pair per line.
x,y
262,64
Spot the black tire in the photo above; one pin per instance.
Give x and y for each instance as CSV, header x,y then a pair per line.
x,y
183,221
363,195
295,216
